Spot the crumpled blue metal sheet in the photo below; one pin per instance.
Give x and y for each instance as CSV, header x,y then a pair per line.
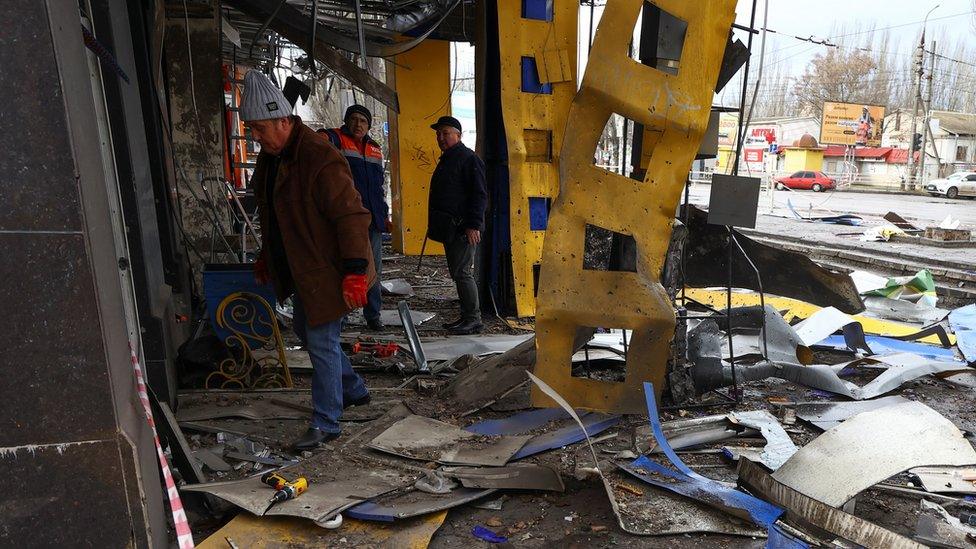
x,y
688,483
963,323
570,434
405,507
527,421
886,345
519,423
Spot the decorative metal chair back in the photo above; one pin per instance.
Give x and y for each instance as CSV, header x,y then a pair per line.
x,y
250,320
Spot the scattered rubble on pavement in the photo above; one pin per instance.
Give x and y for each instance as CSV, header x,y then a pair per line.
x,y
846,427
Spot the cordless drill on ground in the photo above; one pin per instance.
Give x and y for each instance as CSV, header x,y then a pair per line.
x,y
284,489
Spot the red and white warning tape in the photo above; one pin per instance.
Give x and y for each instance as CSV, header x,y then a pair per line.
x,y
183,536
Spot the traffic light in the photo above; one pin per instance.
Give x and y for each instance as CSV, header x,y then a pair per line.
x,y
917,142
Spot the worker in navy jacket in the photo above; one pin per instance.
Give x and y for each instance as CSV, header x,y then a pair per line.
x,y
366,163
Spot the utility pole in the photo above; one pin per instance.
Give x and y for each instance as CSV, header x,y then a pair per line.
x,y
926,131
917,95
925,114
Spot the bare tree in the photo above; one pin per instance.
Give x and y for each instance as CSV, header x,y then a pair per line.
x,y
839,75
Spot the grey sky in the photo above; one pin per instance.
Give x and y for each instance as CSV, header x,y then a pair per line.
x,y
823,19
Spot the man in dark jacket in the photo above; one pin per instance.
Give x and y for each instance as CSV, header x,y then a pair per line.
x,y
315,244
456,217
366,163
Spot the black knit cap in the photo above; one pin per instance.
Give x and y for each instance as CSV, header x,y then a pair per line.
x,y
361,110
446,121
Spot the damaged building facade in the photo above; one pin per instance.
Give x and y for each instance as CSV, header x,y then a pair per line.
x,y
653,371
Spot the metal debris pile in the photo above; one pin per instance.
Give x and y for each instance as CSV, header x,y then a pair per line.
x,y
835,429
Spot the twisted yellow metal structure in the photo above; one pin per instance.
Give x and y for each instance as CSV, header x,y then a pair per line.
x,y
675,108
241,314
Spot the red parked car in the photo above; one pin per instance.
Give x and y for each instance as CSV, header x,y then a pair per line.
x,y
816,181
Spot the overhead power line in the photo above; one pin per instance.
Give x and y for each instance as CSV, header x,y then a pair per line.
x,y
940,56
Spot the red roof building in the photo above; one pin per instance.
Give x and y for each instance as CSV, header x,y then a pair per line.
x,y
889,155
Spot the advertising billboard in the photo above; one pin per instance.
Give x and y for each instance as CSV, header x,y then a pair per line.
x,y
851,124
728,124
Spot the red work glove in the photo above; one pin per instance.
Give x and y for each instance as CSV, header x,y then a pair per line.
x,y
354,290
261,274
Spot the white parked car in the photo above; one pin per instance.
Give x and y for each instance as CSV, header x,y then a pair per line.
x,y
957,184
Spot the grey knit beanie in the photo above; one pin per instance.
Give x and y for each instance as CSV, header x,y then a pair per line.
x,y
262,99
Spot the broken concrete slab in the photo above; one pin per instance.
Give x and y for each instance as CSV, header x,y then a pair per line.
x,y
806,510
426,439
516,476
826,415
871,447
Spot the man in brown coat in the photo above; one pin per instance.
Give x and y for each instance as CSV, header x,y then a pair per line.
x,y
315,245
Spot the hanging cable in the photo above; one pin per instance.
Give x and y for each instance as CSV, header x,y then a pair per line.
x,y
755,89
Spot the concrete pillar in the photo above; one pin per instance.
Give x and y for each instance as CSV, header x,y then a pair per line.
x,y
76,452
422,79
197,126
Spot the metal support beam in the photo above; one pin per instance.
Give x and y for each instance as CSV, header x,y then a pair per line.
x,y
291,24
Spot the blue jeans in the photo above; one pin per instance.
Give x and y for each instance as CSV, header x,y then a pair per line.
x,y
374,297
333,379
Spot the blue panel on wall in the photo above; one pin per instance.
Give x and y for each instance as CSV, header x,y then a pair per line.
x,y
530,78
540,10
221,280
539,212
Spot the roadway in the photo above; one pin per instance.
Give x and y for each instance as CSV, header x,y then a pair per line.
x,y
927,210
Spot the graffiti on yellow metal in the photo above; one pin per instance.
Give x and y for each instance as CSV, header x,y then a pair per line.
x,y
536,54
677,108
422,79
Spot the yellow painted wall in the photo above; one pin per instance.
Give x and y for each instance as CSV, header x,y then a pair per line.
x,y
422,79
553,44
804,159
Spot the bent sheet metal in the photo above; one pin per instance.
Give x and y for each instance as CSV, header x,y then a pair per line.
x,y
633,506
686,482
871,447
